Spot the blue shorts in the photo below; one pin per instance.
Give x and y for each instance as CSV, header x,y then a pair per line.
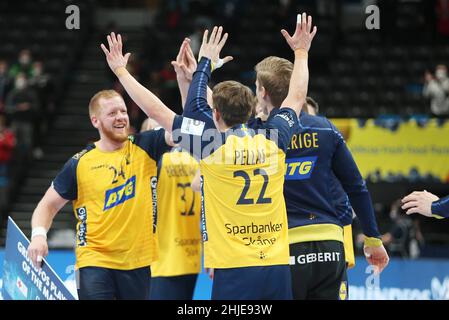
x,y
96,283
252,283
173,288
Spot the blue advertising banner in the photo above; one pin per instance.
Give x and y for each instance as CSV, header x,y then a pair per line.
x,y
21,280
63,262
422,279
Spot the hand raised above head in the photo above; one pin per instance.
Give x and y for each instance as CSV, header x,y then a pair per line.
x,y
303,36
185,63
114,55
211,48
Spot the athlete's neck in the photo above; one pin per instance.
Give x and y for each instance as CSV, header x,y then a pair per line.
x,y
221,126
269,109
108,145
223,129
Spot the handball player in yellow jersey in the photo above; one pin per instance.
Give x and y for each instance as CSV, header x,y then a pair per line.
x,y
110,184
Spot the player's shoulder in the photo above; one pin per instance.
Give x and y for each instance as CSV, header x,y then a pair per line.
x,y
287,114
154,137
321,123
308,120
77,156
134,138
72,163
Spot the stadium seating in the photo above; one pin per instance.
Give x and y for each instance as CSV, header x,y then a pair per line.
x,y
40,27
362,75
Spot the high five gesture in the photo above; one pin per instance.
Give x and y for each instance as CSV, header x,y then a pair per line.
x,y
303,36
211,48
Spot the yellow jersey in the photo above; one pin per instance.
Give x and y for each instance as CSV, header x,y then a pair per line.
x,y
245,214
114,201
243,218
178,220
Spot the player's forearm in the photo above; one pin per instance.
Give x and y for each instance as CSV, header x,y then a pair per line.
x,y
183,86
209,97
184,89
440,208
299,81
146,100
197,102
362,204
348,174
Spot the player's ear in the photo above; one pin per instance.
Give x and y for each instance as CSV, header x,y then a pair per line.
x,y
217,115
94,121
263,92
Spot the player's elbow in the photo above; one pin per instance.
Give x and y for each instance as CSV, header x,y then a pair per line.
x,y
164,117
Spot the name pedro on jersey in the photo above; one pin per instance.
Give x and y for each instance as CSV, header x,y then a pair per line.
x,y
249,157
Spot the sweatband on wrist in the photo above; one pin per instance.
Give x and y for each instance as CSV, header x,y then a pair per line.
x,y
372,242
39,231
301,53
218,64
120,71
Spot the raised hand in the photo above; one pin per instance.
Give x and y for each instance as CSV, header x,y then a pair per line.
x,y
189,61
302,38
211,48
185,63
114,55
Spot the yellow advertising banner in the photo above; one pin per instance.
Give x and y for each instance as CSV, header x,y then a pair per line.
x,y
406,149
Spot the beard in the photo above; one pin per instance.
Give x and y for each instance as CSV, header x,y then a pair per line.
x,y
115,135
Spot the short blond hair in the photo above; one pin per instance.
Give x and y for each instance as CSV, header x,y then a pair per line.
x,y
94,104
274,73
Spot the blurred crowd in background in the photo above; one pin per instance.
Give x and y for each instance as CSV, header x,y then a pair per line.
x,y
25,111
345,77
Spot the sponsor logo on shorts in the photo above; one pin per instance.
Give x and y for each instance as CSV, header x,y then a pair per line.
x,y
343,292
315,257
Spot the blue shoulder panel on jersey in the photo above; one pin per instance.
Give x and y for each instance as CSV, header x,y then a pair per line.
x,y
152,142
65,182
